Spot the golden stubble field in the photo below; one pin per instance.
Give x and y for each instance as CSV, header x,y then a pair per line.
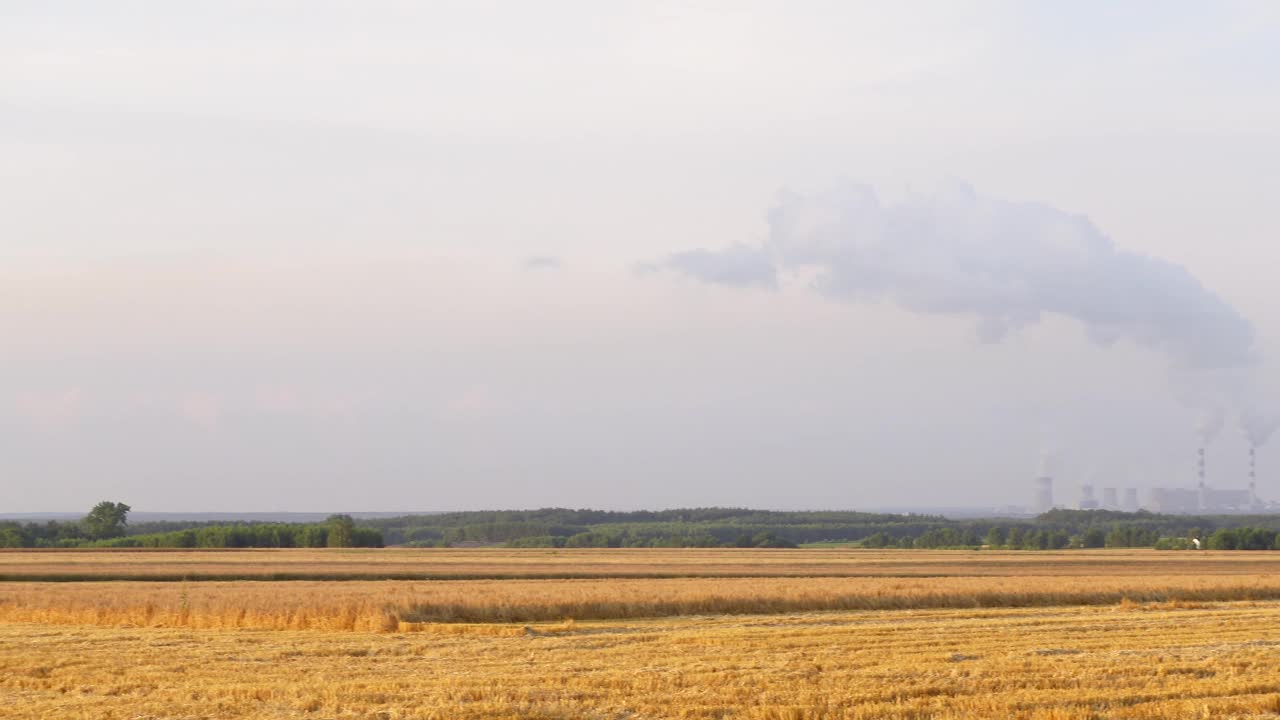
x,y
892,634
488,563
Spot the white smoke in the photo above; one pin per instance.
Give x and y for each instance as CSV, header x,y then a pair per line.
x,y
1050,462
1005,265
1210,425
737,265
1258,425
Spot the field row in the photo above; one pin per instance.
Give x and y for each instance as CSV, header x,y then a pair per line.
x,y
390,606
1125,661
462,564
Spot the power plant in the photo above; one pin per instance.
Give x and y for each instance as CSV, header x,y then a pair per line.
x,y
1201,499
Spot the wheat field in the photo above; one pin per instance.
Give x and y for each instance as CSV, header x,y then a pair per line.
x,y
491,563
393,606
894,634
1123,661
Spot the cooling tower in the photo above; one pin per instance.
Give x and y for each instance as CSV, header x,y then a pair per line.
x,y
1110,500
1044,494
1087,500
1131,499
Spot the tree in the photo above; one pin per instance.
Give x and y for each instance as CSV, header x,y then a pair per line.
x,y
11,536
770,540
1224,540
342,530
878,540
107,520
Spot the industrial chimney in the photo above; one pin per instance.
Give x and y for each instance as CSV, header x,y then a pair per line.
x,y
1253,473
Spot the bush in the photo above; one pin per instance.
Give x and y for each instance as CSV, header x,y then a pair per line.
x,y
1174,543
769,540
878,540
1094,537
591,539
542,541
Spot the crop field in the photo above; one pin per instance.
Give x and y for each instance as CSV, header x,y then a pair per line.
x,y
757,634
491,563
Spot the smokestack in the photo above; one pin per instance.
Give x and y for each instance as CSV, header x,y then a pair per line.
x,y
1253,472
1200,469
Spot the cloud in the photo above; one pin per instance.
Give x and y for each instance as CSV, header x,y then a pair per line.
x,y
1004,264
475,403
541,262
736,266
51,410
203,409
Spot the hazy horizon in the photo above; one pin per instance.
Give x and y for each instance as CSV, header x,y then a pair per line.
x,y
635,255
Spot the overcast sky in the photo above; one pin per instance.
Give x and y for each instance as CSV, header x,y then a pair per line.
x,y
423,256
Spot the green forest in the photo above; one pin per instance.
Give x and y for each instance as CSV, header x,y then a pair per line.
x,y
735,527
107,526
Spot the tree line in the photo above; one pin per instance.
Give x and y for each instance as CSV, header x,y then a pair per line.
x,y
730,527
107,526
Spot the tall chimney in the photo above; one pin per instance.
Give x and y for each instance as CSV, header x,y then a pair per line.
x,y
1253,472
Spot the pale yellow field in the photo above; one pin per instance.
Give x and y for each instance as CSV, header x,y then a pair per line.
x,y
890,635
1219,661
403,606
501,563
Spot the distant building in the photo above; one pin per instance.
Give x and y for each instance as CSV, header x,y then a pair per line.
x,y
1226,500
1175,500
1203,499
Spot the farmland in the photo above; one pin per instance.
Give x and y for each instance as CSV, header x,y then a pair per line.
x,y
491,563
639,634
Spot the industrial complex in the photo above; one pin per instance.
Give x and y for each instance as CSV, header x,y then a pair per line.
x,y
1203,498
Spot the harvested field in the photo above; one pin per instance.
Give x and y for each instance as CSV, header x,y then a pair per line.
x,y
753,634
392,605
479,564
1127,661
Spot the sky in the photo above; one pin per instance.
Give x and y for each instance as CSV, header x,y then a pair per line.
x,y
381,256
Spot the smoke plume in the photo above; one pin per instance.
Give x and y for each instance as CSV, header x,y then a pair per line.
x,y
1258,426
1210,425
737,265
1005,265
